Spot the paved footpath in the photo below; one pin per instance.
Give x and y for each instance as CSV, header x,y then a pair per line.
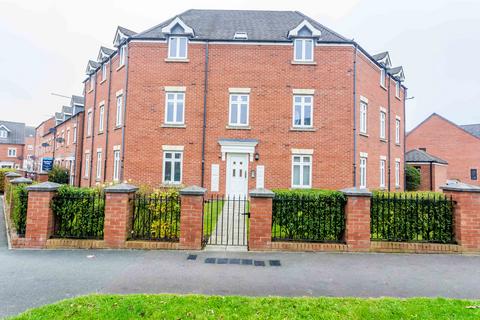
x,y
30,278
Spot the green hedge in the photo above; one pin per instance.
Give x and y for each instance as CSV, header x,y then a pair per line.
x,y
311,215
412,217
79,213
19,210
3,171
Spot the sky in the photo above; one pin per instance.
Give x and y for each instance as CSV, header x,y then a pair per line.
x,y
46,45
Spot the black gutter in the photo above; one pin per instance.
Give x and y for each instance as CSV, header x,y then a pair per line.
x,y
107,124
93,128
355,117
204,126
389,134
124,116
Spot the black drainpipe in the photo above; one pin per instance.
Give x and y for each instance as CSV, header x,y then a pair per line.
x,y
431,176
355,116
389,135
107,124
92,137
82,135
204,127
124,117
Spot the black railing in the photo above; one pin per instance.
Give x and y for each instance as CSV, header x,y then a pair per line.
x,y
156,217
308,218
79,216
226,220
412,218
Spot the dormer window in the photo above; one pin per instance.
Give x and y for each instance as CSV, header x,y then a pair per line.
x,y
303,49
3,133
177,47
121,56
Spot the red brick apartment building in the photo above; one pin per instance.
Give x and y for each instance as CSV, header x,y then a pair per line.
x,y
459,145
233,100
15,144
59,139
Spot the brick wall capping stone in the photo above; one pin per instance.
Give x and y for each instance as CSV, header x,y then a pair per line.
x,y
193,191
121,188
21,181
261,193
44,187
12,174
357,192
460,187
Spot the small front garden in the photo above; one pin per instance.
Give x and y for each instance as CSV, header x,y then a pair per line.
x,y
215,307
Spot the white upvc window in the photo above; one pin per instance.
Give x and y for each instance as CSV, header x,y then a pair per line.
x,y
87,164
101,116
99,165
303,50
382,172
397,173
174,107
363,116
303,111
68,136
397,131
92,82
301,171
177,47
383,118
397,89
239,110
104,71
12,152
119,115
3,133
382,77
75,134
172,167
116,165
363,172
89,123
121,56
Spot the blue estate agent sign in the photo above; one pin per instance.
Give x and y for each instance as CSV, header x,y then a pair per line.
x,y
47,164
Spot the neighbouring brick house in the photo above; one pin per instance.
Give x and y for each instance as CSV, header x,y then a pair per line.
x,y
433,170
15,139
458,145
233,100
59,138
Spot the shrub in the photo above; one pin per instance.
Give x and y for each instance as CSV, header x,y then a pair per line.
x,y
79,212
308,215
19,210
413,178
3,171
59,175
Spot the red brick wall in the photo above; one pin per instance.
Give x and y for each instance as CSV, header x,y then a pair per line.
x,y
445,140
18,160
440,176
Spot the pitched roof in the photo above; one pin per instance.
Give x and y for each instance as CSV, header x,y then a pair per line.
x,y
444,119
126,31
380,56
259,25
29,131
472,128
417,155
16,132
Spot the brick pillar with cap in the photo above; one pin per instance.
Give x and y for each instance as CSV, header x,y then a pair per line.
x,y
191,217
260,238
357,219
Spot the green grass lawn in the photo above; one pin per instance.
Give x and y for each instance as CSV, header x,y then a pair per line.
x,y
214,307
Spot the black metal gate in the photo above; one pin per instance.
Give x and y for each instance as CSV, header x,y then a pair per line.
x,y
226,220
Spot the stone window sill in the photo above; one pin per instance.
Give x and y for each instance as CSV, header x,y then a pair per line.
x,y
121,67
174,126
177,60
238,128
305,63
298,129
383,140
364,134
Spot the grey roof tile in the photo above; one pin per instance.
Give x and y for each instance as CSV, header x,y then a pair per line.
x,y
126,31
15,132
472,128
417,155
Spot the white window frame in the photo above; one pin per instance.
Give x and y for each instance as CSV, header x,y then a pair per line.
x,y
87,164
101,116
75,134
238,103
89,123
302,165
104,71
363,171
12,152
302,42
363,117
173,160
383,124
92,82
116,164
175,101
3,133
397,173
119,111
397,131
302,111
176,39
397,89
383,170
99,164
121,56
382,77
68,136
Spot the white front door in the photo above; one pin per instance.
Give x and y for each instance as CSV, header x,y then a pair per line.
x,y
237,174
